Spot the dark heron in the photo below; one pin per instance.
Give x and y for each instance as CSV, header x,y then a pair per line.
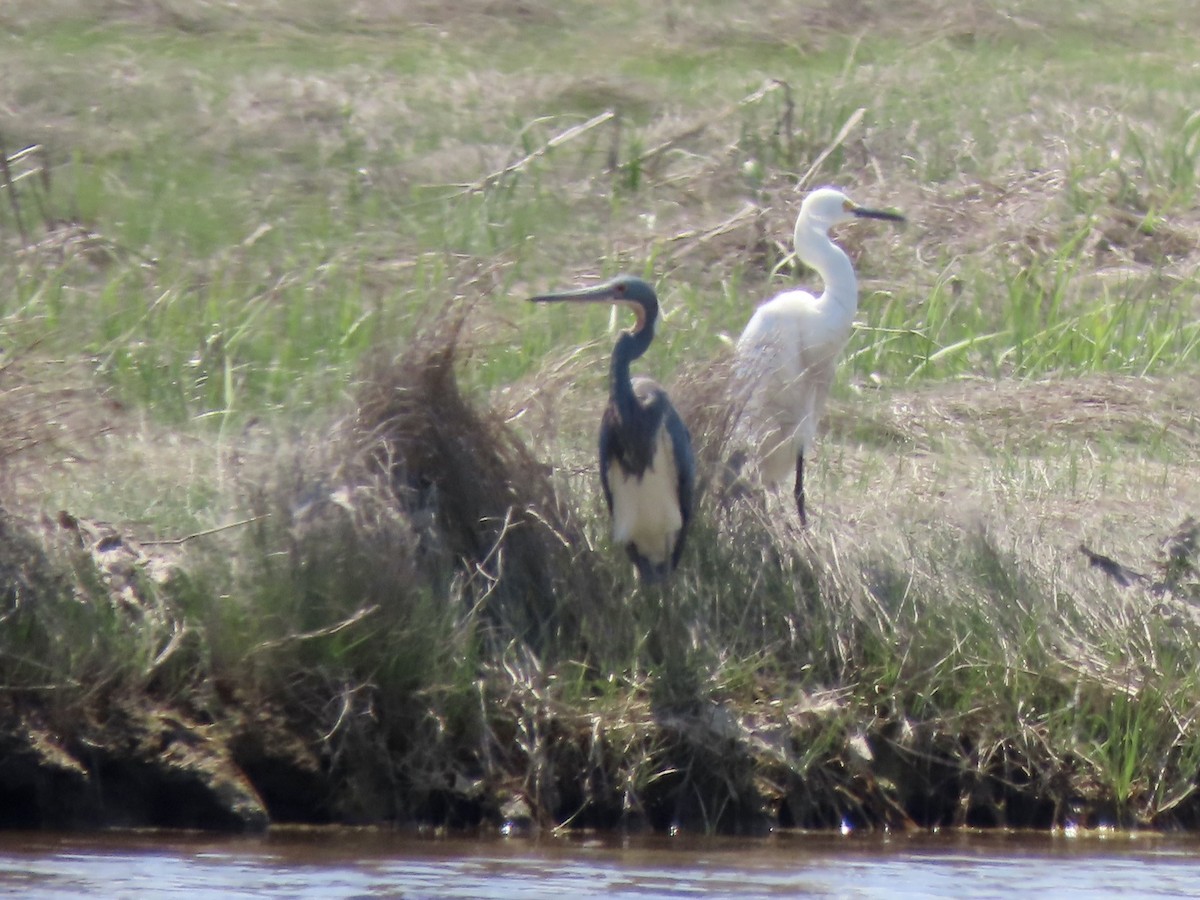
x,y
647,467
788,353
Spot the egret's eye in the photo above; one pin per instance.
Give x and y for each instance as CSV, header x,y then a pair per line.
x,y
848,206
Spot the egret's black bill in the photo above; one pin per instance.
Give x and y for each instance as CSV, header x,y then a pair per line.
x,y
888,215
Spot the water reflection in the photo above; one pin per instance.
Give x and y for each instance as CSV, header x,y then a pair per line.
x,y
353,863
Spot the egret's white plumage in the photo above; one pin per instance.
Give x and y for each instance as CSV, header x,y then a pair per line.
x,y
787,355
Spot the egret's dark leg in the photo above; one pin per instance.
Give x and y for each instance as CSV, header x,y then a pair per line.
x,y
800,488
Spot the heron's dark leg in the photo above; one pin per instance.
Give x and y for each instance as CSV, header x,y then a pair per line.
x,y
800,488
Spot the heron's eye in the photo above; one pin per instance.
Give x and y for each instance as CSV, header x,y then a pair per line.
x,y
848,206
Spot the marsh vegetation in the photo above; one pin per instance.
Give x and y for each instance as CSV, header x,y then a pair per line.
x,y
299,500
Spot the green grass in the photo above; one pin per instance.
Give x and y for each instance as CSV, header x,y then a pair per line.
x,y
250,211
322,169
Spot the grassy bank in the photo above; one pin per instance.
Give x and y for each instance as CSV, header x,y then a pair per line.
x,y
290,466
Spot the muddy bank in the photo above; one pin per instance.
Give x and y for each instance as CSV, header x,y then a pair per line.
x,y
168,743
661,750
707,769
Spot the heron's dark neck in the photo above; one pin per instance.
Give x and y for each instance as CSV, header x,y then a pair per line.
x,y
630,346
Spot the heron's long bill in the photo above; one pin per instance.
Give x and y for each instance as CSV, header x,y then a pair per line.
x,y
609,292
864,212
601,293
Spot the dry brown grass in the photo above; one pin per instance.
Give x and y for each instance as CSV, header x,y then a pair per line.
x,y
496,505
45,418
1041,466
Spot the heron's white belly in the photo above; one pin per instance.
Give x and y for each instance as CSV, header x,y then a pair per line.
x,y
646,510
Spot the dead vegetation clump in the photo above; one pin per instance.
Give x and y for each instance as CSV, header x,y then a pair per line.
x,y
495,504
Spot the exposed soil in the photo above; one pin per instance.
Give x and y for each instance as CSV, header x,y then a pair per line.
x,y
142,764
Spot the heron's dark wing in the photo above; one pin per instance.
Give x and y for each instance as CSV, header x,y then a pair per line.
x,y
685,466
608,450
640,434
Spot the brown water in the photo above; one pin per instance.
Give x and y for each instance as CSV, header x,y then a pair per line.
x,y
350,864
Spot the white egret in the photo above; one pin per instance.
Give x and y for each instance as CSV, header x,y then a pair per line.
x,y
787,355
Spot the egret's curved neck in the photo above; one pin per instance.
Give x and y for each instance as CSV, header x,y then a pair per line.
x,y
816,250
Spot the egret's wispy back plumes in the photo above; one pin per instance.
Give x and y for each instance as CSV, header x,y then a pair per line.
x,y
702,391
788,353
